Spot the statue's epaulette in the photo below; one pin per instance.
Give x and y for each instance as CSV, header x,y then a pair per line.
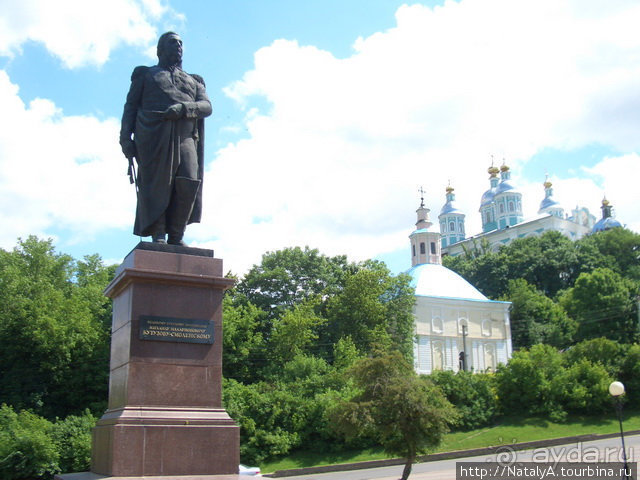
x,y
198,78
138,71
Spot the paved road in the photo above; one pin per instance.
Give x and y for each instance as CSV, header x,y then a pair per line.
x,y
599,450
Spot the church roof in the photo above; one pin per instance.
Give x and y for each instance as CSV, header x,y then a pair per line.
x,y
450,207
487,197
504,186
430,229
606,224
433,280
548,202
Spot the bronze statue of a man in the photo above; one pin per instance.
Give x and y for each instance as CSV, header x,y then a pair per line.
x,y
163,128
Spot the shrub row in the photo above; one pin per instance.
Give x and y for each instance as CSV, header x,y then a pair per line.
x,y
32,447
545,381
291,412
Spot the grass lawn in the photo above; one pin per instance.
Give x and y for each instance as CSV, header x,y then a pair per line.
x,y
508,430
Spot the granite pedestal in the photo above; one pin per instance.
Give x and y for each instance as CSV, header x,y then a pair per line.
x,y
165,415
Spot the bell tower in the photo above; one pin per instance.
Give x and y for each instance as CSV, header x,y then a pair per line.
x,y
425,239
451,220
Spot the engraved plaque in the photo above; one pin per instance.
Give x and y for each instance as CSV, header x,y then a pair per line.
x,y
168,329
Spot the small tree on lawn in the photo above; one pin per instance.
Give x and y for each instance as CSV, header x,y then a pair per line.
x,y
405,413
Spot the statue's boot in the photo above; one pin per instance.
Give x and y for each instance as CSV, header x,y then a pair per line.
x,y
179,211
158,230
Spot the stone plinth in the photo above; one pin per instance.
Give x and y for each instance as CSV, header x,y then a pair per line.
x,y
165,414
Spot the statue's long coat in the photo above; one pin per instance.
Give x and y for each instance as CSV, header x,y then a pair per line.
x,y
153,90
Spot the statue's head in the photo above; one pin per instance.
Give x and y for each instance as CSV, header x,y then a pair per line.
x,y
170,49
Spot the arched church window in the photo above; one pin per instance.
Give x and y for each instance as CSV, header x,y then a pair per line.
x,y
511,207
489,357
433,248
437,325
437,353
422,248
463,325
501,207
486,328
452,227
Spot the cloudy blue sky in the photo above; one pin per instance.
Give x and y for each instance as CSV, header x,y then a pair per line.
x,y
328,116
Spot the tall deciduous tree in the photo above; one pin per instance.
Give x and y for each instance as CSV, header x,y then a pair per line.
x,y
486,271
288,277
604,304
54,330
405,413
535,318
617,249
549,261
373,307
293,333
243,343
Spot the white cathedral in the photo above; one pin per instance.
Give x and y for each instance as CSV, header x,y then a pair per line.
x,y
503,222
457,327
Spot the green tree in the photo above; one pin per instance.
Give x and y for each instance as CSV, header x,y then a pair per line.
x,y
617,249
345,353
604,304
486,271
293,333
405,413
53,329
243,343
535,318
373,308
608,353
549,262
288,277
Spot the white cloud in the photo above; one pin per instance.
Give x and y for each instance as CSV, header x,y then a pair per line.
x,y
58,171
619,179
79,32
336,161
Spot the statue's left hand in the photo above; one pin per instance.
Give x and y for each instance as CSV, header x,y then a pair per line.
x,y
174,112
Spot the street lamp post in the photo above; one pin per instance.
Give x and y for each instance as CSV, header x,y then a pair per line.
x,y
616,389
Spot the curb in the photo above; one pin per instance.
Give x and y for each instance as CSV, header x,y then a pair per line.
x,y
343,467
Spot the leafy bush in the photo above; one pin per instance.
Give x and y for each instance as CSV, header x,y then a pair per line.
x,y
472,394
32,447
583,388
630,372
524,385
72,437
26,448
608,353
266,418
541,382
